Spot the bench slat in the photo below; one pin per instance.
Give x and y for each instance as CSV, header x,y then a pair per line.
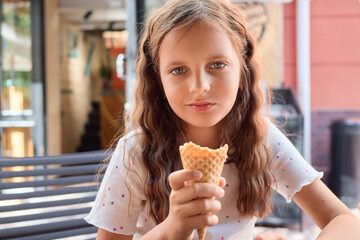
x,y
48,182
26,206
90,168
90,157
53,192
53,206
42,228
45,215
62,234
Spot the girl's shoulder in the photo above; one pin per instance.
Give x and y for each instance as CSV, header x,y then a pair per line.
x,y
274,135
129,141
269,125
278,142
128,148
126,159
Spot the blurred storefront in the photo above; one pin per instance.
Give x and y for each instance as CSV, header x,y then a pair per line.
x,y
74,96
22,65
71,99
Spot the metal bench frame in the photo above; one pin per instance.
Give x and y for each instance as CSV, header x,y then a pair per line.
x,y
63,188
54,197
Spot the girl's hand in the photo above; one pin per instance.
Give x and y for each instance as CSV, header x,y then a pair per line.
x,y
189,203
270,236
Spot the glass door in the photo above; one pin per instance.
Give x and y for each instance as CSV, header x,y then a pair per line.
x,y
22,78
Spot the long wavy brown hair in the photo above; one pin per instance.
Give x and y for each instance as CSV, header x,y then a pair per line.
x,y
163,131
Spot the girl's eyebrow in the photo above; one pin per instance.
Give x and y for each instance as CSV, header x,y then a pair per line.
x,y
216,56
219,56
174,63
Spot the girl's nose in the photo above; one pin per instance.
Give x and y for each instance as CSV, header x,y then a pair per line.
x,y
200,83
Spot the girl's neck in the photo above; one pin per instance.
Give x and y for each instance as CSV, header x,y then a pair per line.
x,y
205,137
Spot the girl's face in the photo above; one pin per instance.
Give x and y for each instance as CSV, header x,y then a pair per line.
x,y
200,73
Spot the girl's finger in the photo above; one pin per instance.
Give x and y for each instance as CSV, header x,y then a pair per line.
x,y
203,220
222,182
196,190
198,207
177,179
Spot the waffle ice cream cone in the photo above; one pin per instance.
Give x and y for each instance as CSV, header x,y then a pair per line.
x,y
209,161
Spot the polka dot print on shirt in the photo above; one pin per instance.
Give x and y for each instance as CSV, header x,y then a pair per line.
x,y
288,168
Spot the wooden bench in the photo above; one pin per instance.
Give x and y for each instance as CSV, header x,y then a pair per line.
x,y
47,197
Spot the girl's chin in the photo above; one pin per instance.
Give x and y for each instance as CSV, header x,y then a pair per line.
x,y
202,124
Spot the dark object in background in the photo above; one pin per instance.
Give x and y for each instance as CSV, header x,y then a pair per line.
x,y
345,157
90,140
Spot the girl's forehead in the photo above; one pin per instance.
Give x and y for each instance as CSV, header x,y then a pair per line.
x,y
201,34
198,26
183,33
198,42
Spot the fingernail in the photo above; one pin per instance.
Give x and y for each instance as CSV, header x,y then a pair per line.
x,y
197,174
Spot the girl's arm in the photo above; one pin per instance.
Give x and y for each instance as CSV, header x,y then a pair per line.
x,y
328,212
105,235
270,236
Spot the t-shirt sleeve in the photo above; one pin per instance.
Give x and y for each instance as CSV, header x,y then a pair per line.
x,y
111,207
290,170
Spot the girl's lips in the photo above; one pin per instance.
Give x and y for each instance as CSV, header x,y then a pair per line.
x,y
201,106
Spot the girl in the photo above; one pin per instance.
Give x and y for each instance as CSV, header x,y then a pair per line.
x,y
198,81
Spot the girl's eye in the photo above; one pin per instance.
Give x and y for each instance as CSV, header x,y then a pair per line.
x,y
217,65
178,71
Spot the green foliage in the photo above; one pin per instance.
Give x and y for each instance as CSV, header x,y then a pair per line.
x,y
18,17
17,78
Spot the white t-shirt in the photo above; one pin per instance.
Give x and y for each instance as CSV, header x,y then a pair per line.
x,y
111,211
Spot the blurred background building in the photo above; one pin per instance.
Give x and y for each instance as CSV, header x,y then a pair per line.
x,y
68,68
